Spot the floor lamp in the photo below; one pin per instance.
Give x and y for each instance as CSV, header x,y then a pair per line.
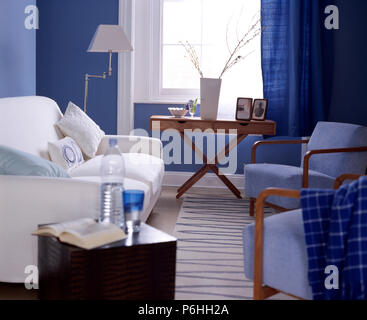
x,y
107,38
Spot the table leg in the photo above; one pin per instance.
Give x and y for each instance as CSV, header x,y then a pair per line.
x,y
195,178
207,167
188,182
226,181
229,147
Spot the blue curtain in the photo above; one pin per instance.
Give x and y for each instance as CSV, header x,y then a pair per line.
x,y
292,64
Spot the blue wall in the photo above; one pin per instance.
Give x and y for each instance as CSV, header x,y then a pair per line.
x,y
66,29
17,50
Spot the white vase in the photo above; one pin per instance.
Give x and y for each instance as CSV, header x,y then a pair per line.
x,y
209,96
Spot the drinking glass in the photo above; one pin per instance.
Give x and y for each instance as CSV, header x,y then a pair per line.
x,y
192,108
133,205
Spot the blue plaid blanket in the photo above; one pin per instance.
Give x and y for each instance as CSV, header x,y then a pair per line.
x,y
335,224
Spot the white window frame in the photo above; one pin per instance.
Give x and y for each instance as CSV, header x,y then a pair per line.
x,y
125,77
148,41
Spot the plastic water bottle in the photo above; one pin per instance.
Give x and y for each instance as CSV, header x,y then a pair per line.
x,y
112,176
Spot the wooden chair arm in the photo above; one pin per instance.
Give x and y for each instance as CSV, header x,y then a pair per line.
x,y
348,176
309,154
273,142
259,234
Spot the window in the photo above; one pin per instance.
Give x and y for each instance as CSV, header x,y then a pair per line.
x,y
213,28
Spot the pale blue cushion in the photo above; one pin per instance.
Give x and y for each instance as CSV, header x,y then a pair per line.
x,y
285,254
16,162
332,135
259,177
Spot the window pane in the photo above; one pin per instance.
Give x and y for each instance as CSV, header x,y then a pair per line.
x,y
178,72
214,27
181,21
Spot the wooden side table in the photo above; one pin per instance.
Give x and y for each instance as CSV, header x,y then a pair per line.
x,y
242,128
141,267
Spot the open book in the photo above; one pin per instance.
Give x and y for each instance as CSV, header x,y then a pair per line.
x,y
83,233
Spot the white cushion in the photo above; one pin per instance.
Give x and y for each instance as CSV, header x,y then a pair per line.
x,y
138,166
66,153
77,125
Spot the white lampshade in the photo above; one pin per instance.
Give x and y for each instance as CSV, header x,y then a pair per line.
x,y
109,38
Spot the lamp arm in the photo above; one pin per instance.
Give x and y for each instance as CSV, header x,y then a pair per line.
x,y
87,76
110,64
103,76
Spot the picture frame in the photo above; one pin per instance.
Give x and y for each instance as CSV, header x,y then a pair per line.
x,y
244,109
259,109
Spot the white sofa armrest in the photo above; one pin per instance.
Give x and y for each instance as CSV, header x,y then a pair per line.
x,y
26,202
134,144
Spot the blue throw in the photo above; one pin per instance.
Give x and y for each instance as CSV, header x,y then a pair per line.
x,y
335,224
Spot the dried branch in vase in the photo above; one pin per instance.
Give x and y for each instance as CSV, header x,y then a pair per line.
x,y
252,33
235,54
192,56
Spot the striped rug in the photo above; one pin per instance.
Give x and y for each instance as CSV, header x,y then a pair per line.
x,y
210,250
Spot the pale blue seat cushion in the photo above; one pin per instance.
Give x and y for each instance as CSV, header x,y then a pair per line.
x,y
285,254
259,177
16,162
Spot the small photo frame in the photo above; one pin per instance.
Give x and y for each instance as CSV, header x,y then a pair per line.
x,y
244,109
259,109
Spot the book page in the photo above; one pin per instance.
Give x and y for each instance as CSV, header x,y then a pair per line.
x,y
93,235
88,229
58,228
76,227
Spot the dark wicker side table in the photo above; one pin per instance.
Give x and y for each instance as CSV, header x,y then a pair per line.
x,y
141,267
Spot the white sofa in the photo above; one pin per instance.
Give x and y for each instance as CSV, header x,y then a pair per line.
x,y
28,124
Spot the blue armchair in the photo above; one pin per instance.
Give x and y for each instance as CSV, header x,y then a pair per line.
x,y
333,149
275,253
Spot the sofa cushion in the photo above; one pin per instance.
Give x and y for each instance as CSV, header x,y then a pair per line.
x,y
259,177
28,124
66,153
285,254
16,162
77,125
138,166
